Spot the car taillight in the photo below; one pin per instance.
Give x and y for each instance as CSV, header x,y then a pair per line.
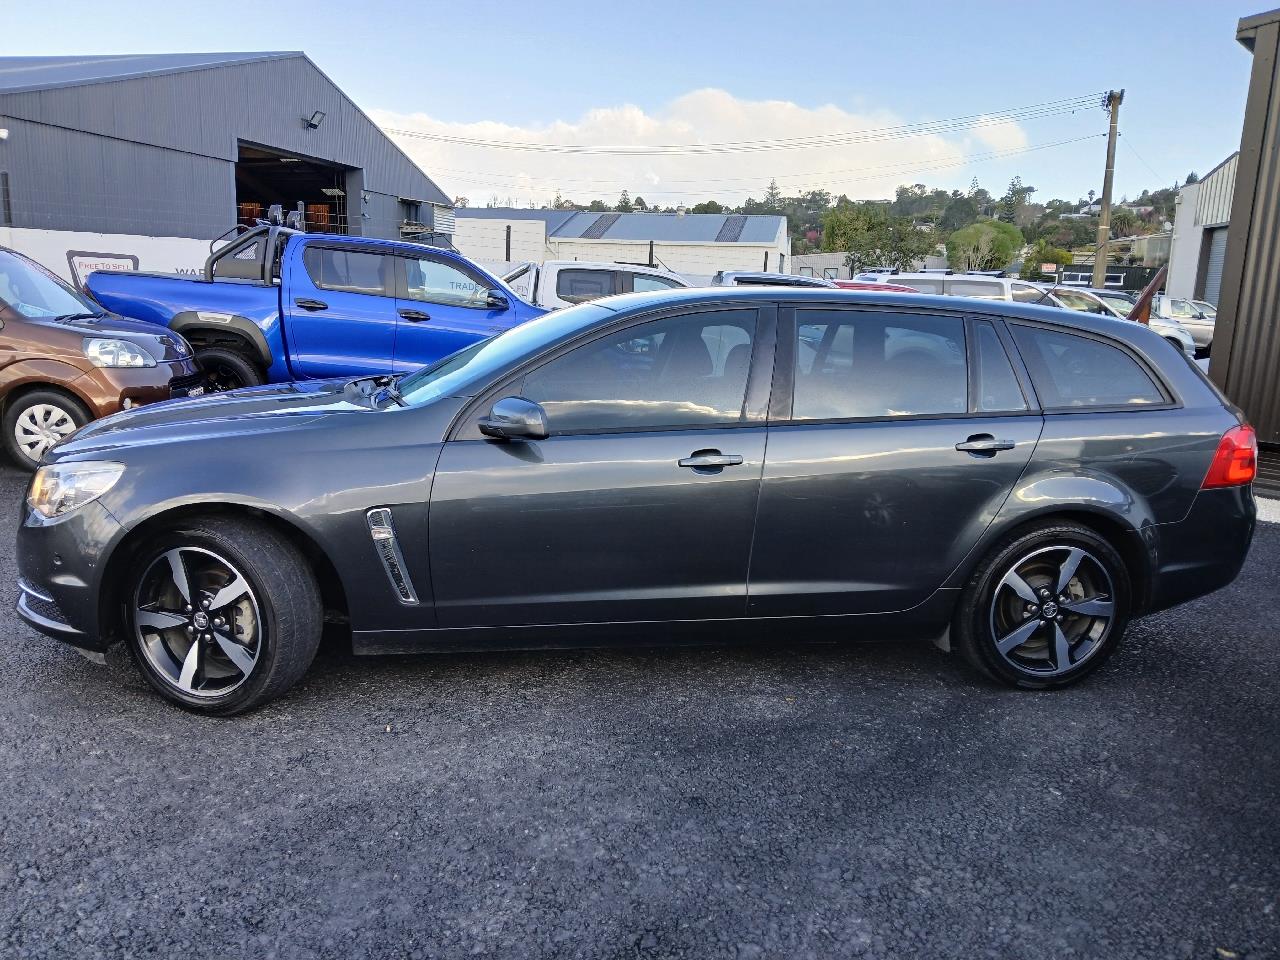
x,y
1236,461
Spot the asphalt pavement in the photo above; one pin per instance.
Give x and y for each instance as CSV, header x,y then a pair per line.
x,y
873,800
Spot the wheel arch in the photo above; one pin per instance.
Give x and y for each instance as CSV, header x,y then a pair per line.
x,y
332,591
36,386
224,330
1134,544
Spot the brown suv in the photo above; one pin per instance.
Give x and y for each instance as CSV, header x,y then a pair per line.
x,y
64,361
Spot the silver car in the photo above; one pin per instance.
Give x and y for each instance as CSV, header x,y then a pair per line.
x,y
1197,316
1116,303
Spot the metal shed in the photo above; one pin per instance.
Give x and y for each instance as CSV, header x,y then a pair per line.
x,y
183,145
1246,344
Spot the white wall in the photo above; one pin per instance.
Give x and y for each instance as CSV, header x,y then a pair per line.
x,y
1184,255
72,255
486,240
692,258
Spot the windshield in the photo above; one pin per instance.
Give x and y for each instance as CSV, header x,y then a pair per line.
x,y
1117,302
1075,300
463,373
1208,309
35,293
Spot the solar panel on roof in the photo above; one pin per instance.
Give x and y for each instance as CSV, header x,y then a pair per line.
x,y
732,229
602,223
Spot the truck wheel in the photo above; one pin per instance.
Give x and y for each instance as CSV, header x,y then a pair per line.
x,y
36,421
227,370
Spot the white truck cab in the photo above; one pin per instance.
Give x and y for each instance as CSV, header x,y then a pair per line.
x,y
562,283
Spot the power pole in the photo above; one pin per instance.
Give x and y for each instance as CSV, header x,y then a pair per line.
x,y
1112,102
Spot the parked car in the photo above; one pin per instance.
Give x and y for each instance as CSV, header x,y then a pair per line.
x,y
276,305
1116,303
759,278
63,361
1196,316
563,283
873,285
1013,481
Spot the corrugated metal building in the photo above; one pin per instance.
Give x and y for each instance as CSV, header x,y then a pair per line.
x,y
184,145
1246,344
696,243
1200,234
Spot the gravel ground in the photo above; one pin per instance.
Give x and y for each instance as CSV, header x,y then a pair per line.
x,y
819,801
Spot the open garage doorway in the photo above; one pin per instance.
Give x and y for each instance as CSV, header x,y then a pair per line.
x,y
265,177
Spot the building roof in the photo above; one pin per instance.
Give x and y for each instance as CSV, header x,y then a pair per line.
x,y
46,73
643,227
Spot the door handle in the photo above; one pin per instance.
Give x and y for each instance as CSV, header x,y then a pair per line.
x,y
416,316
985,443
306,304
710,460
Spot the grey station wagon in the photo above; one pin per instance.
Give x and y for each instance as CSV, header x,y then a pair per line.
x,y
1012,481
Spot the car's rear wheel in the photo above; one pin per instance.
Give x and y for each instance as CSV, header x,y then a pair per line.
x,y
35,421
222,616
227,370
1046,608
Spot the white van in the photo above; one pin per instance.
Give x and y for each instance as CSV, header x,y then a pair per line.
x,y
562,283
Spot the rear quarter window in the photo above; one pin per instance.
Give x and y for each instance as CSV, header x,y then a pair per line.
x,y
1074,372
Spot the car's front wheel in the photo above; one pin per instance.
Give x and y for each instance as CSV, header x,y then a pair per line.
x,y
1045,608
227,370
222,616
35,421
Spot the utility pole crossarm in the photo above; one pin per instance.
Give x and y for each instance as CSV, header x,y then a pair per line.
x,y
1112,103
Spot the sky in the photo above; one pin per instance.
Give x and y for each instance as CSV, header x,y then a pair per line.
x,y
679,73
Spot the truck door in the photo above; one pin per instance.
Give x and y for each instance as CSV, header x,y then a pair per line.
x,y
339,301
442,308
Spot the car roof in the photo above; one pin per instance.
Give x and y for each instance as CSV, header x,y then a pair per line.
x,y
834,296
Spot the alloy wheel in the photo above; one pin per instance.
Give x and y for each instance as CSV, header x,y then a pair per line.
x,y
40,426
1052,610
197,622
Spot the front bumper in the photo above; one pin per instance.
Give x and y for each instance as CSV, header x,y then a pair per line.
x,y
60,569
107,388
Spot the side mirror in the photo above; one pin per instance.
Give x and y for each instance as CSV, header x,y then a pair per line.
x,y
515,418
497,301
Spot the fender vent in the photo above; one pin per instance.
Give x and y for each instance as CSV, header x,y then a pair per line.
x,y
384,541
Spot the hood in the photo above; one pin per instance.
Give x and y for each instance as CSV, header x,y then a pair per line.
x,y
161,342
237,412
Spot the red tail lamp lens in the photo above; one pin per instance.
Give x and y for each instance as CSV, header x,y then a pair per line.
x,y
1236,462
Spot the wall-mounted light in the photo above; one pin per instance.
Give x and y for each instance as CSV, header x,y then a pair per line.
x,y
4,133
314,121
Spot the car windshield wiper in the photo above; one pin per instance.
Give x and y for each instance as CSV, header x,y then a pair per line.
x,y
68,317
389,390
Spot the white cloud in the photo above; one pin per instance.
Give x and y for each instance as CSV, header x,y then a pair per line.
x,y
999,133
866,170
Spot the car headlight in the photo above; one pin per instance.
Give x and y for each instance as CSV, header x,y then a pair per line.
x,y
109,352
59,488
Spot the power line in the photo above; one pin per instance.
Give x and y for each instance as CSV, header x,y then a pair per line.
x,y
882,170
1032,112
1125,141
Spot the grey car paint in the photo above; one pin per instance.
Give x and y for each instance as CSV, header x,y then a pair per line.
x,y
859,520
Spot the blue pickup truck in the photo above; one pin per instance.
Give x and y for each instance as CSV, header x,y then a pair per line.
x,y
277,304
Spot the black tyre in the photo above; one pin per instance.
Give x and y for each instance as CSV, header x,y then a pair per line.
x,y
221,616
227,370
1045,608
36,421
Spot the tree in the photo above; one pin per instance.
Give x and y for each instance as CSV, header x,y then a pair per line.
x,y
1123,222
958,213
707,206
870,237
639,203
1040,253
1192,177
985,245
1014,199
773,196
624,203
598,206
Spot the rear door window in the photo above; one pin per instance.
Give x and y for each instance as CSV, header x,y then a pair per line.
x,y
854,365
1071,371
348,271
980,289
579,286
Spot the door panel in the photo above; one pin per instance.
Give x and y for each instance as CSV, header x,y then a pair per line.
x,y
593,528
442,308
341,312
871,517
